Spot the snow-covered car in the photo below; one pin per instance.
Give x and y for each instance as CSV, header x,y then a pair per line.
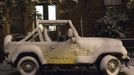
x,y
58,42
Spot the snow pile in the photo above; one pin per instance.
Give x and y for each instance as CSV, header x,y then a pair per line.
x,y
128,70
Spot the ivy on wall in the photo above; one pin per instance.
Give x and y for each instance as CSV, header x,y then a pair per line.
x,y
4,14
5,7
29,8
130,4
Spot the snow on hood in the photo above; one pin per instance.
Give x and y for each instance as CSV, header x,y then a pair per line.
x,y
99,43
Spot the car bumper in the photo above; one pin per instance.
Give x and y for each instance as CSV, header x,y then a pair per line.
x,y
126,59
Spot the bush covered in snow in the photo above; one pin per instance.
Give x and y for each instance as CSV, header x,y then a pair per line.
x,y
113,24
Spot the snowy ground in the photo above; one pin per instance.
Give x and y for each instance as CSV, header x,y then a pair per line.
x,y
8,70
130,69
131,63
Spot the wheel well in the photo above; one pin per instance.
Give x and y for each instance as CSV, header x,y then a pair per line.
x,y
117,55
26,54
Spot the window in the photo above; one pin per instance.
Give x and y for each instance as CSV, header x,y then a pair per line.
x,y
51,12
39,12
52,28
52,16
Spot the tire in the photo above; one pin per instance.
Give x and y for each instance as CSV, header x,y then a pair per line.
x,y
110,65
28,66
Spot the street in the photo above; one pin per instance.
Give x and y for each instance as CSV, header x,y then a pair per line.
x,y
8,70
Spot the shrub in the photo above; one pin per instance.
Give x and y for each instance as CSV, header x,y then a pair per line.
x,y
113,24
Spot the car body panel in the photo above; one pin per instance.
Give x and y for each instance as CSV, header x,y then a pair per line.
x,y
67,52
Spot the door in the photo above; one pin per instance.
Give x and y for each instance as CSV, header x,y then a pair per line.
x,y
59,53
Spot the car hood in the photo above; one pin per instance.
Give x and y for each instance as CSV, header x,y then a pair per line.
x,y
101,44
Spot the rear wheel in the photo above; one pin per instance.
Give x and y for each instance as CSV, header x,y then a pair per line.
x,y
28,66
110,65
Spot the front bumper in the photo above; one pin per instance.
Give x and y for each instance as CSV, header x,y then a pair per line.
x,y
126,57
125,60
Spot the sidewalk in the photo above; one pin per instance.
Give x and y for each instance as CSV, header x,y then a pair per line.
x,y
7,70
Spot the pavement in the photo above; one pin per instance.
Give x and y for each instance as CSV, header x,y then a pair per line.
x,y
6,69
129,70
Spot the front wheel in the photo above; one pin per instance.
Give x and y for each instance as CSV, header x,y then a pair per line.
x,y
110,65
28,66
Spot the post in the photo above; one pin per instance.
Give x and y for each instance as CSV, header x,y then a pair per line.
x,y
81,23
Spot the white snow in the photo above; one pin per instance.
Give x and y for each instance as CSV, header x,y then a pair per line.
x,y
128,70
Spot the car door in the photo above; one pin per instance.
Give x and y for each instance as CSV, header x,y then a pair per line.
x,y
59,53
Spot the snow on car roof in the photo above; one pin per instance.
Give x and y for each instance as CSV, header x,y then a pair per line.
x,y
48,22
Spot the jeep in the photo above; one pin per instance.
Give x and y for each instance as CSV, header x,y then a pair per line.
x,y
58,42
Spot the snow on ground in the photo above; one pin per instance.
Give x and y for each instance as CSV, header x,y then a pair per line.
x,y
128,70
6,69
